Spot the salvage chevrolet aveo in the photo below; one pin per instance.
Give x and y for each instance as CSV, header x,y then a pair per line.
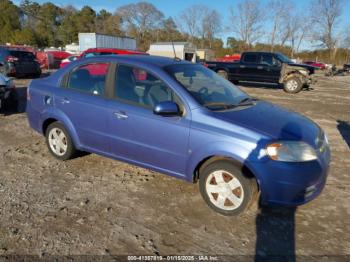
x,y
183,120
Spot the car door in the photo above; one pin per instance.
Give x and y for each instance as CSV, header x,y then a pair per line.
x,y
140,136
268,68
248,68
82,99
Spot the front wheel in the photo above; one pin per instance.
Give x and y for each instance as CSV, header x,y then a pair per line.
x,y
225,189
292,85
59,142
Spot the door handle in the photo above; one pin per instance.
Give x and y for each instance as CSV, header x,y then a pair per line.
x,y
120,115
242,66
260,67
65,101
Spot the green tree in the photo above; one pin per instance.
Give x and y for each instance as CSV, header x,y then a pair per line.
x,y
9,20
68,31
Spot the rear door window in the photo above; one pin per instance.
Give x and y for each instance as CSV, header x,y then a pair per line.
x,y
89,78
250,58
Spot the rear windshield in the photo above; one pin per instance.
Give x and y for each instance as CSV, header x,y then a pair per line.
x,y
22,55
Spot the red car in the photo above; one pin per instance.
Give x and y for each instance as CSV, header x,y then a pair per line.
x,y
319,65
68,60
104,51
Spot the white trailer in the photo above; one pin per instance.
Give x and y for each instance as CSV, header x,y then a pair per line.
x,y
183,50
94,40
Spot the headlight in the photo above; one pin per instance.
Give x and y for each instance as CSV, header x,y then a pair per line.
x,y
291,151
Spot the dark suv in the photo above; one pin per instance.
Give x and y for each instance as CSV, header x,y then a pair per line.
x,y
19,63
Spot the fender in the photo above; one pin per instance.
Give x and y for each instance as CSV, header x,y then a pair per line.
x,y
241,154
60,116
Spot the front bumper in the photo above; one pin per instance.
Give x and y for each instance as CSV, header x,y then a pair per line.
x,y
292,184
311,80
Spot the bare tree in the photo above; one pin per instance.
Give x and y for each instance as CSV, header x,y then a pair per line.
x,y
280,14
140,18
247,20
326,15
211,25
294,30
190,20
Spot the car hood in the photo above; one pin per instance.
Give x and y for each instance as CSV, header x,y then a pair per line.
x,y
310,68
273,121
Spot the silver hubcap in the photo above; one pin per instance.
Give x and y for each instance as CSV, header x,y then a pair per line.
x,y
58,141
224,190
292,85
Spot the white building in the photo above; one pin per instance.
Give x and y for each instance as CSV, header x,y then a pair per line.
x,y
183,50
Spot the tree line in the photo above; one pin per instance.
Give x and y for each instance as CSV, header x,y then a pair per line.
x,y
275,26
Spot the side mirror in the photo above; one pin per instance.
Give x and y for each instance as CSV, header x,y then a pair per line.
x,y
1,64
166,108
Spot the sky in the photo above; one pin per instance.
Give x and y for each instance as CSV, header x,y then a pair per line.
x,y
174,7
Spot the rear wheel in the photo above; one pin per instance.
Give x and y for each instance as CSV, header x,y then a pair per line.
x,y
225,189
59,142
222,73
11,103
292,85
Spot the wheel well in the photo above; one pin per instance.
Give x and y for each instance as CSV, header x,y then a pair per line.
x,y
221,69
48,122
211,159
291,74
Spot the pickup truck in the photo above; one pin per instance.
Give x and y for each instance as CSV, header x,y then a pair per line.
x,y
266,67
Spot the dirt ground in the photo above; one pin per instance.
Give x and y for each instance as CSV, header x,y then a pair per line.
x,y
97,206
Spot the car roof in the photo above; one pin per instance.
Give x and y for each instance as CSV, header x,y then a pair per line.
x,y
158,61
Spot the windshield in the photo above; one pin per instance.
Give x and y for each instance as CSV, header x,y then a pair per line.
x,y
207,87
284,58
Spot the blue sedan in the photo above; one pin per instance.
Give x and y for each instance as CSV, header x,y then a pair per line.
x,y
183,120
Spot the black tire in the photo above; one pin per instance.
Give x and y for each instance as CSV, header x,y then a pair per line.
x,y
246,191
11,103
292,85
235,82
222,73
37,75
70,151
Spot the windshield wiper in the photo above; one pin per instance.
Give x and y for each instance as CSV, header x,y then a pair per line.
x,y
247,101
219,105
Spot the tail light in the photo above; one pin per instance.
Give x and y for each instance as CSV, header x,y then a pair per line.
x,y
11,59
205,64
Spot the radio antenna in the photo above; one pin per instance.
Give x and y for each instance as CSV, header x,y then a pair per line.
x,y
175,57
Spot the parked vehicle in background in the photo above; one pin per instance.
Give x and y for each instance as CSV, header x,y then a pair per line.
x,y
109,51
346,68
102,51
94,40
8,95
58,56
19,63
181,119
181,50
229,58
266,67
68,60
318,65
